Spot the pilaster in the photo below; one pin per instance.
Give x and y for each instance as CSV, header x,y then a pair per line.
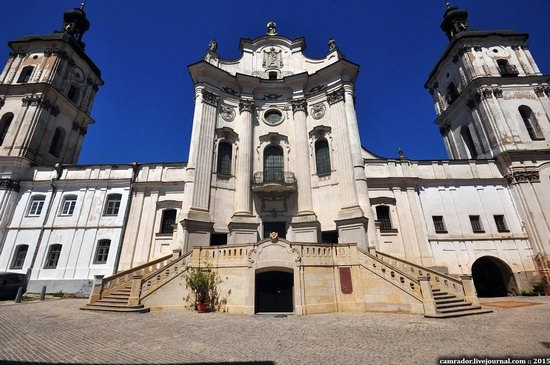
x,y
243,198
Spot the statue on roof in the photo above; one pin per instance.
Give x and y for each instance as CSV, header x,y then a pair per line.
x,y
331,44
213,45
271,28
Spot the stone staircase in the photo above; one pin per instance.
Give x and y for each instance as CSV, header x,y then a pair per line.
x,y
449,306
116,301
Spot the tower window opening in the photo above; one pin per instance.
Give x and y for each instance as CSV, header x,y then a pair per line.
x,y
531,123
273,75
506,69
73,93
322,157
57,142
25,75
452,93
225,156
5,123
468,141
383,217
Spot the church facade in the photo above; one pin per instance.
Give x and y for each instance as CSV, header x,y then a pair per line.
x,y
279,196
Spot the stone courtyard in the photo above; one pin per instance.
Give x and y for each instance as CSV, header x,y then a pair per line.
x,y
56,331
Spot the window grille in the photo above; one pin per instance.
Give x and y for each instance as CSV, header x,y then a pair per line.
x,y
439,224
476,224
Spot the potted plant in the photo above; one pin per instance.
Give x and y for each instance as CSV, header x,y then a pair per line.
x,y
203,282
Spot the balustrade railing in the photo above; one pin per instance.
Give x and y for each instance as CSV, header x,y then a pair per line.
x,y
158,278
274,176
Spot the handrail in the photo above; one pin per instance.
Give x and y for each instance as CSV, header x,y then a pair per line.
x,y
158,278
400,271
136,268
171,263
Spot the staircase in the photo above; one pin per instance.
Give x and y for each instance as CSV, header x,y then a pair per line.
x,y
449,306
116,301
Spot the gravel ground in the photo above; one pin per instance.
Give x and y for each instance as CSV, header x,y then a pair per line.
x,y
58,332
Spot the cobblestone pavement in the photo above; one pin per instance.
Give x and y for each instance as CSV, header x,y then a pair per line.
x,y
57,331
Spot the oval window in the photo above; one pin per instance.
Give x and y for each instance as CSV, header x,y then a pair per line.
x,y
273,116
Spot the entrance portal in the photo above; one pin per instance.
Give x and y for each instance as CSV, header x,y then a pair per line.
x,y
274,292
492,278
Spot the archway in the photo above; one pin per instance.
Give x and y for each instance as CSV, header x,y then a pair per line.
x,y
493,278
274,292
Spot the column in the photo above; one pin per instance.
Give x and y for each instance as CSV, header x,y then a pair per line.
x,y
243,197
303,175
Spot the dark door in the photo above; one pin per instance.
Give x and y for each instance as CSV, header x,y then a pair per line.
x,y
273,164
279,227
274,292
489,277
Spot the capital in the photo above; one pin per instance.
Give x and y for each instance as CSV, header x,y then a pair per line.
x,y
299,105
335,96
246,106
210,98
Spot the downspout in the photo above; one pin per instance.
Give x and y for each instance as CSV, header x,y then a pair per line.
x,y
58,170
135,166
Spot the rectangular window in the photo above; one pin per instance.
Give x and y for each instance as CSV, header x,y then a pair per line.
x,y
218,239
383,215
168,221
501,223
329,236
439,224
53,257
37,203
68,205
19,257
113,204
476,224
102,251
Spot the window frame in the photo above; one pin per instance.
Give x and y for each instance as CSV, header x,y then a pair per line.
x,y
31,210
50,257
326,158
220,163
503,226
28,76
384,224
106,208
76,94
442,228
100,252
163,224
66,198
15,258
531,123
477,218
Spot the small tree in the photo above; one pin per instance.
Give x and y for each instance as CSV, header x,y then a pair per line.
x,y
203,282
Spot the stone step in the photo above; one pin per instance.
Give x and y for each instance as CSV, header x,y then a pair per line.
x,y
447,301
446,296
439,293
118,295
460,309
134,309
110,304
113,300
471,312
452,305
436,290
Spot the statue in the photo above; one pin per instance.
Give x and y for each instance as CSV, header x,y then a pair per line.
x,y
271,28
331,44
213,45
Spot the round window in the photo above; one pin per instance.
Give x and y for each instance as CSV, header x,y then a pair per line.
x,y
273,116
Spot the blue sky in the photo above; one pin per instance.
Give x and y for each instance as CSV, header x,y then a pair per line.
x,y
144,111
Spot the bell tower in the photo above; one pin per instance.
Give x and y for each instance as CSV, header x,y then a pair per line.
x,y
493,102
47,90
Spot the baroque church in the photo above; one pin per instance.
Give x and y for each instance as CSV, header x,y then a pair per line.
x,y
279,197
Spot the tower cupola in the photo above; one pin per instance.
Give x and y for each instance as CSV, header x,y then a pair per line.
x,y
75,23
455,21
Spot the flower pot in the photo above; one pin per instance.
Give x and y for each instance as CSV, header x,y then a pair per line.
x,y
202,307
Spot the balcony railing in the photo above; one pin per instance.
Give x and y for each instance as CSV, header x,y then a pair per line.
x,y
508,70
274,180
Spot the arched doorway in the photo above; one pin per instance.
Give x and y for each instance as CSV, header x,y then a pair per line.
x,y
493,278
274,292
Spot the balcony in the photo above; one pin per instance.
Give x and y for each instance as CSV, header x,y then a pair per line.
x,y
508,70
274,181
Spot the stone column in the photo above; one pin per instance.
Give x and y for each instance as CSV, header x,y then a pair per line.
x,y
303,175
243,198
97,287
470,294
427,295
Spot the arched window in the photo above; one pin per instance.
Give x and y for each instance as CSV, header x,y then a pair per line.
x,y
69,203
273,164
506,69
36,205
19,257
57,141
5,123
468,141
383,217
102,251
531,123
112,205
452,93
73,93
322,157
168,221
53,256
25,75
225,156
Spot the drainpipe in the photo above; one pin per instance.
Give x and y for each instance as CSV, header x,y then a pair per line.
x,y
135,166
58,170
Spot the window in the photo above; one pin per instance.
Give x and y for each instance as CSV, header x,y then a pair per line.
x,y
69,203
57,141
476,224
37,203
273,164
102,251
506,69
218,239
531,123
113,204
25,75
53,257
273,75
383,215
468,141
329,236
19,256
225,155
73,93
452,93
501,223
168,221
322,157
439,224
5,123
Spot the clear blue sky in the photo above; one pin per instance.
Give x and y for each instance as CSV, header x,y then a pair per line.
x,y
144,111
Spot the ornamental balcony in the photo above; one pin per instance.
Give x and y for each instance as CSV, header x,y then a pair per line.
x,y
274,181
508,70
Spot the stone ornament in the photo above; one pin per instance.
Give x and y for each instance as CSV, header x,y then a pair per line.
x,y
299,105
213,46
273,58
210,98
9,184
274,237
271,28
335,96
36,100
227,113
246,106
523,176
318,111
331,44
542,90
